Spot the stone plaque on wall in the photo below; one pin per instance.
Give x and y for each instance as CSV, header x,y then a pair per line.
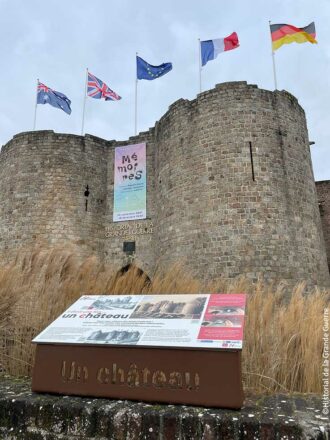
x,y
131,229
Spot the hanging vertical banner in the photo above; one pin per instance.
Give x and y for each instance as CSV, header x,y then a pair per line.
x,y
130,183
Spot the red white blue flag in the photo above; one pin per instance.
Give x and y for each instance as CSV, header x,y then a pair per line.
x,y
210,49
98,89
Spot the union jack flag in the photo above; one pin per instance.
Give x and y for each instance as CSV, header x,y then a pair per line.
x,y
98,89
43,88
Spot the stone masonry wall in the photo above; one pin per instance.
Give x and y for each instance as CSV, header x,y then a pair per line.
x,y
43,178
323,194
213,213
230,191
30,416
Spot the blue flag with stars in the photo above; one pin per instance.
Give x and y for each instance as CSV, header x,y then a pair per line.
x,y
149,72
45,95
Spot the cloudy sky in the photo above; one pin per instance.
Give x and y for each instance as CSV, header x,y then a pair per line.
x,y
55,40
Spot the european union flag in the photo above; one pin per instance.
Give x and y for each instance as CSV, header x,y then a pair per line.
x,y
149,72
46,95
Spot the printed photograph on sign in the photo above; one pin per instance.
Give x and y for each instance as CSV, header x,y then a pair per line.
x,y
130,185
182,307
126,337
223,319
227,310
125,302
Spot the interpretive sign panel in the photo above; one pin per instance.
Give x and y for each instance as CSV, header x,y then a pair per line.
x,y
193,321
159,348
130,183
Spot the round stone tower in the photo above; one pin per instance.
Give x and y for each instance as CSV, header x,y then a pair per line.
x,y
44,199
235,186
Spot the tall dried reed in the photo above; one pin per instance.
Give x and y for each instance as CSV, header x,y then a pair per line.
x,y
283,335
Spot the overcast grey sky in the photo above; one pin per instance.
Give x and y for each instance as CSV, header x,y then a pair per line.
x,y
55,40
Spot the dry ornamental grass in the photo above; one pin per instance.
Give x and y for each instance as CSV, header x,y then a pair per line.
x,y
283,335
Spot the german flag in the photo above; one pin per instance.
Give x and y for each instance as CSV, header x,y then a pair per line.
x,y
286,34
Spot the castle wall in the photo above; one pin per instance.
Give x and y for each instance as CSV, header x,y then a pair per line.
x,y
230,191
141,232
43,177
302,214
214,215
323,194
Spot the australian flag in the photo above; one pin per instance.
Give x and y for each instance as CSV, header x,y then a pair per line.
x,y
45,95
98,89
149,72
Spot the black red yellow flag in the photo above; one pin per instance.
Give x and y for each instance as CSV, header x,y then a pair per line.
x,y
286,34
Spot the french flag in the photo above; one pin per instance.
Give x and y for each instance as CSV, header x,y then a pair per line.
x,y
210,49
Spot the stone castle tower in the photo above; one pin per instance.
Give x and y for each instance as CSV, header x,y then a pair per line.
x,y
230,190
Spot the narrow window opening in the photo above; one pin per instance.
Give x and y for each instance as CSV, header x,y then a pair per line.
x,y
86,194
251,159
321,207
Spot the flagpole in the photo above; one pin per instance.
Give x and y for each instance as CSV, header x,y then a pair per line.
x,y
136,85
84,105
35,109
200,65
273,57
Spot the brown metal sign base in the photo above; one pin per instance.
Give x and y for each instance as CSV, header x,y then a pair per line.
x,y
187,376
